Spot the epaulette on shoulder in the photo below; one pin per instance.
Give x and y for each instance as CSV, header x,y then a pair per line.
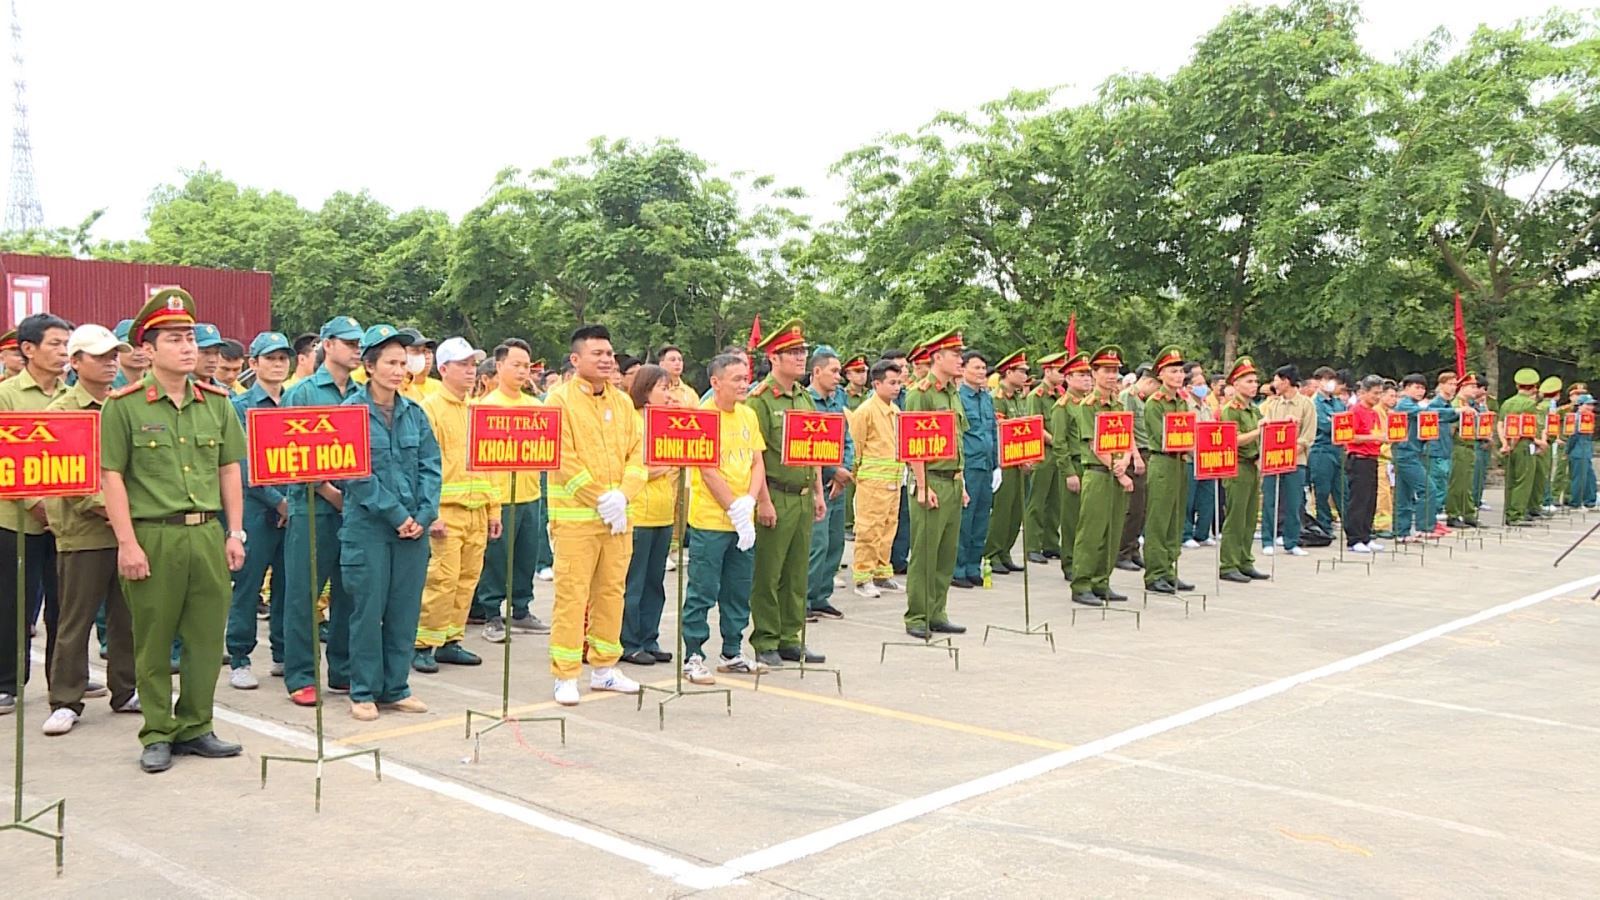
x,y
130,388
208,386
756,391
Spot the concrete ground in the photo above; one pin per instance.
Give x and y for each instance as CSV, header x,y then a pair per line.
x,y
1427,728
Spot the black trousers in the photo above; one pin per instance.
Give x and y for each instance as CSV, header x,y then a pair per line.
x,y
39,584
1133,525
1361,474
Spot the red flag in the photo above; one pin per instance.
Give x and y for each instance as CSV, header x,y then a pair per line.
x,y
1461,340
755,333
1071,343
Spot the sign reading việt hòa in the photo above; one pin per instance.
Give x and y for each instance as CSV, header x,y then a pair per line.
x,y
514,438
294,444
49,454
675,436
813,438
1021,441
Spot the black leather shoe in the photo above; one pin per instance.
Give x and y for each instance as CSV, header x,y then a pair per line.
x,y
1114,596
1236,577
1087,599
661,655
156,758
1037,557
640,658
1469,523
770,658
1128,565
920,634
961,583
1161,586
1454,522
899,570
207,745
1256,574
1138,560
1182,585
948,628
793,654
1011,564
1052,554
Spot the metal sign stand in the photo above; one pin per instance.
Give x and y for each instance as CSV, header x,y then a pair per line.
x,y
322,758
680,514
19,822
1028,628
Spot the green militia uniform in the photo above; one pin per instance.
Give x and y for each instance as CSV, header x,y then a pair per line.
x,y
1458,506
1009,501
1103,503
1044,506
1520,462
1166,490
934,532
783,552
1066,420
1244,494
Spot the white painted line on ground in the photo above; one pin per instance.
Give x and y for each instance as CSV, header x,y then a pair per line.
x,y
1474,710
680,870
816,842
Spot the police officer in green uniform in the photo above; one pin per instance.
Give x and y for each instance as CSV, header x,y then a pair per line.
x,y
1518,452
856,392
1235,557
1166,488
1549,396
1044,504
1066,416
1104,489
1011,401
788,505
170,451
1459,509
330,385
937,499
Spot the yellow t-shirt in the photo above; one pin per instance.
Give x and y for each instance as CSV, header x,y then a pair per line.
x,y
527,482
653,507
741,443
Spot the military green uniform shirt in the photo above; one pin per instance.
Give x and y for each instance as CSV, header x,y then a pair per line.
x,y
20,393
1244,493
1166,490
778,590
1103,504
1006,518
935,532
1044,503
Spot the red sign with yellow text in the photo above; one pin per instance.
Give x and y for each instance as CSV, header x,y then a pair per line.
x,y
1279,455
1527,424
1427,426
294,444
1113,433
926,436
1552,424
1586,422
675,436
514,438
49,454
813,438
1486,425
1177,432
1569,424
1396,427
1218,453
1021,441
1344,428
1467,425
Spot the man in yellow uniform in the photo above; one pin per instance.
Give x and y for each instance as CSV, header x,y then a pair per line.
x,y
602,469
419,362
469,516
878,476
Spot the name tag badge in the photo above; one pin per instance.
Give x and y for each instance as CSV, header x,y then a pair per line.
x,y
150,427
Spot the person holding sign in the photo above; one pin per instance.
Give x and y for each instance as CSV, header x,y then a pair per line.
x,y
469,510
940,496
266,511
1580,456
86,557
878,475
1326,463
1166,488
653,513
1410,478
1518,451
827,534
1361,465
1438,452
1281,523
329,385
170,451
1011,401
1105,486
1065,415
1044,505
1549,399
980,448
382,551
1460,512
1234,559
602,470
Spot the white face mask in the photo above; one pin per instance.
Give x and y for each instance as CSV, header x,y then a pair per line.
x,y
416,363
1329,386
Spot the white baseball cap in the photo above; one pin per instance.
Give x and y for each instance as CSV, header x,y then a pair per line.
x,y
95,340
455,350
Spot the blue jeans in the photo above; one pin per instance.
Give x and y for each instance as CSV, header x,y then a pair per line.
x,y
720,575
1285,509
1200,520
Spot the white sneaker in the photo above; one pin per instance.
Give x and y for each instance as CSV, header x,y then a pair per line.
x,y
672,563
869,590
1210,542
241,679
1298,551
60,721
888,584
838,584
609,679
546,574
1360,548
1377,546
741,665
567,692
695,671
1278,541
130,705
1268,551
1191,544
1484,506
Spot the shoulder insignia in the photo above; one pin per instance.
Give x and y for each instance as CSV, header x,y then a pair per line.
x,y
208,386
756,391
125,390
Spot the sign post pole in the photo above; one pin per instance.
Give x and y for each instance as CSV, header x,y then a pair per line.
x,y
1113,436
291,459
1022,444
924,437
686,439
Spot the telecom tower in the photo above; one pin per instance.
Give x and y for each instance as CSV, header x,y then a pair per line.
x,y
22,201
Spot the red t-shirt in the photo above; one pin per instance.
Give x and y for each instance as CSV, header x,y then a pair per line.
x,y
1366,422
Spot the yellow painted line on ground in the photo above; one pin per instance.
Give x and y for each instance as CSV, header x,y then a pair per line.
x,y
903,716
460,721
1333,842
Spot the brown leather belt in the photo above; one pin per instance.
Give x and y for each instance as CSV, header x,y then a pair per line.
x,y
192,518
786,489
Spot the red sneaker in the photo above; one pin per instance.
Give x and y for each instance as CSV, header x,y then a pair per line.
x,y
306,696
1440,530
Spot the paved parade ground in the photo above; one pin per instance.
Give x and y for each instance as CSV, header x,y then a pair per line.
x,y
1427,729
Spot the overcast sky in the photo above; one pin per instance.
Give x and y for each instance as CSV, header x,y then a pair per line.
x,y
421,103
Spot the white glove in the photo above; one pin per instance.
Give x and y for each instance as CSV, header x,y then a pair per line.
x,y
747,536
613,505
742,509
620,523
995,486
